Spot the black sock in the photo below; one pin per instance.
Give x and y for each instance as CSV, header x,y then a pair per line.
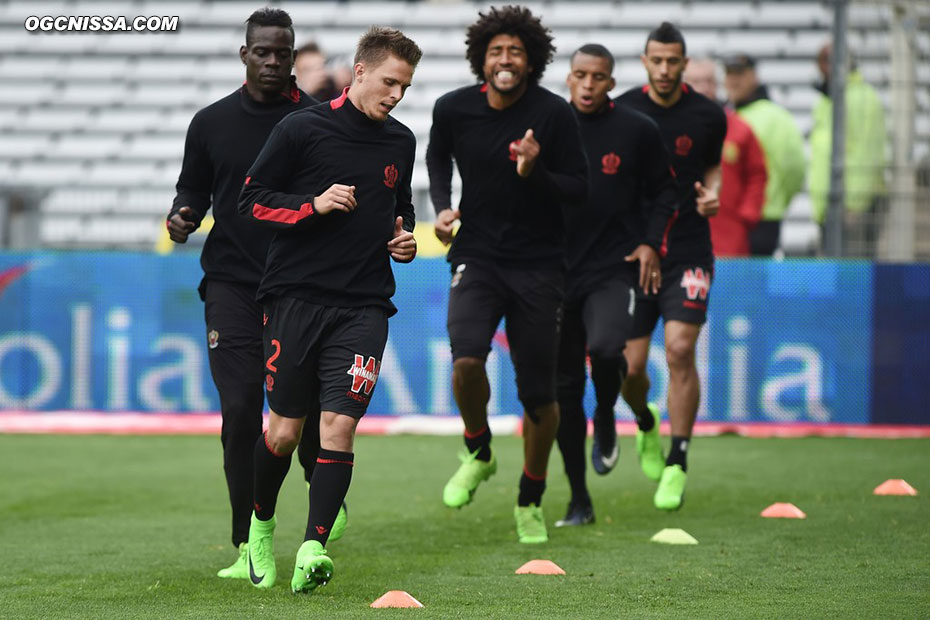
x,y
679,452
603,421
309,447
573,429
644,420
480,441
531,490
607,377
270,471
331,478
241,405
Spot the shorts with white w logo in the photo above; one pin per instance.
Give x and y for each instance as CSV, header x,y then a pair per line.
x,y
683,297
321,358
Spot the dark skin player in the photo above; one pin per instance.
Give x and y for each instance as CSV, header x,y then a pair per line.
x,y
268,62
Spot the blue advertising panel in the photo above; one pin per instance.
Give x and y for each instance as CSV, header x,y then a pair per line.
x,y
785,341
901,345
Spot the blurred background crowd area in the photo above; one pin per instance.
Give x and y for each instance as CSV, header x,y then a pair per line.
x,y
92,125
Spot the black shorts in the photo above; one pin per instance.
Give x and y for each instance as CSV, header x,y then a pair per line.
x,y
597,324
683,297
234,339
321,358
530,300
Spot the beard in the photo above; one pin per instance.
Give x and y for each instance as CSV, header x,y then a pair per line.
x,y
667,95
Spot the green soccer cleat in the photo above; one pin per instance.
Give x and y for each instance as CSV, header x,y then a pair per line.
x,y
472,472
339,525
649,447
262,571
240,568
671,491
312,569
531,526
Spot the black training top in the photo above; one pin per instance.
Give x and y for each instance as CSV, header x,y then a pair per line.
x,y
337,259
506,218
693,131
222,142
632,199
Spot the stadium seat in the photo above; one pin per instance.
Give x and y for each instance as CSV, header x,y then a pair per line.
x,y
16,92
16,67
41,173
126,120
152,147
71,201
119,174
23,146
54,119
104,94
86,147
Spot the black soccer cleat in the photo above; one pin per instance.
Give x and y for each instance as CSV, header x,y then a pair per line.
x,y
577,514
605,450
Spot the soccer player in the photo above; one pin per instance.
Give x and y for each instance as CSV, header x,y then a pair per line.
x,y
222,142
693,129
327,285
520,158
631,200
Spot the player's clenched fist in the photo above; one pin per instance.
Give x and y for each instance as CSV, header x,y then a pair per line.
x,y
444,223
182,224
527,151
336,198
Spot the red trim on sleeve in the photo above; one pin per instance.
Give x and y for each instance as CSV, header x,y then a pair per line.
x,y
663,249
247,180
338,102
284,216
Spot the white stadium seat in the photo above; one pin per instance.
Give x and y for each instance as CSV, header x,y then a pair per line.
x,y
86,147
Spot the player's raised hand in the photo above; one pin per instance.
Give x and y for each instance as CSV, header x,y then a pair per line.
x,y
527,151
182,224
336,198
650,271
402,246
444,223
708,202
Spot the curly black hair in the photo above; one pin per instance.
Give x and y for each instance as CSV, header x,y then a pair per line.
x,y
513,20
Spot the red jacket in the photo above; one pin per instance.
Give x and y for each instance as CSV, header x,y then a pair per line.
x,y
742,189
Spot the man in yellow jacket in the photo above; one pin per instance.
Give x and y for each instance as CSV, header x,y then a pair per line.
x,y
781,142
864,180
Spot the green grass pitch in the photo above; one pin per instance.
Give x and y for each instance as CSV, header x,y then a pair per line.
x,y
136,527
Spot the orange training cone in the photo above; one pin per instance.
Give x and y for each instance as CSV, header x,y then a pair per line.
x,y
895,486
540,567
781,510
396,598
